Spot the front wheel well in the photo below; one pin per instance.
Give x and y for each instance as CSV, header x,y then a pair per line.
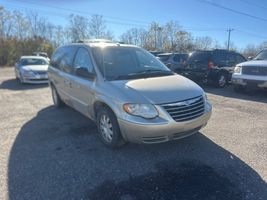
x,y
98,105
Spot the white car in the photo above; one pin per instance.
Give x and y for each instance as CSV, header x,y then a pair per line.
x,y
32,69
251,74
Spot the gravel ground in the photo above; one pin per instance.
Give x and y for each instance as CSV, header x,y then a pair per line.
x,y
49,153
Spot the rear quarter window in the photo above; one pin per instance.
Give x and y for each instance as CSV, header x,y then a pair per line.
x,y
219,57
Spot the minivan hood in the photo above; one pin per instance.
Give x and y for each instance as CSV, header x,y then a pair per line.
x,y
160,90
36,67
256,63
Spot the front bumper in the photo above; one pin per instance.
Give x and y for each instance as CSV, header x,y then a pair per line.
x,y
250,80
37,79
160,131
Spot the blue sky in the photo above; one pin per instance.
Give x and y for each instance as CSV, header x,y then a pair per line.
x,y
199,17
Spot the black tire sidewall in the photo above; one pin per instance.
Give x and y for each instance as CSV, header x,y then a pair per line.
x,y
59,103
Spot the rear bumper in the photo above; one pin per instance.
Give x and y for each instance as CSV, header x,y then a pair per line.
x,y
162,132
249,80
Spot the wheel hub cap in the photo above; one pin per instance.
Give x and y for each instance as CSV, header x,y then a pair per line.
x,y
106,128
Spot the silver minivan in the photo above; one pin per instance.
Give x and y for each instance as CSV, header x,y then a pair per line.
x,y
127,92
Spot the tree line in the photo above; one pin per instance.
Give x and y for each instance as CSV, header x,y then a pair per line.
x,y
24,33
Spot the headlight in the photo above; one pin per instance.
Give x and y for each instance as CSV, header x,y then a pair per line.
x,y
205,96
147,111
238,69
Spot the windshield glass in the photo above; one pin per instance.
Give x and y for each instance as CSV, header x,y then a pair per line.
x,y
261,56
128,63
33,61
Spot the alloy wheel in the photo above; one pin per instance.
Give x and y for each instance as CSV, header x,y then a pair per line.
x,y
106,128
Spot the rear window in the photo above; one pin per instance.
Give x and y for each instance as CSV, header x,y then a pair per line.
x,y
163,58
199,56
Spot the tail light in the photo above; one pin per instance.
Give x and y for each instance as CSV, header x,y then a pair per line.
x,y
210,65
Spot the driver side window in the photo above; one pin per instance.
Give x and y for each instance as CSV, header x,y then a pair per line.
x,y
83,60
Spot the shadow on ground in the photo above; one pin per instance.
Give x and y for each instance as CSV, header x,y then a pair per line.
x,y
12,84
228,91
57,155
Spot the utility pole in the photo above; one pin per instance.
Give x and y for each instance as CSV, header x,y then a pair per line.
x,y
229,37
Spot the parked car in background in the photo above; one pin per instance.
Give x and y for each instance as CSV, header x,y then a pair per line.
x,y
128,92
43,54
251,74
174,61
214,66
155,53
32,69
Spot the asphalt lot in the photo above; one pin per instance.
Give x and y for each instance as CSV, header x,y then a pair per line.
x,y
49,153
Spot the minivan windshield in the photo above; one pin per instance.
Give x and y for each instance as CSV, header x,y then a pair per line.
x,y
122,63
262,55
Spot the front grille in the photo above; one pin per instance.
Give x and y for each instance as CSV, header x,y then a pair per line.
x,y
186,110
41,72
253,70
39,79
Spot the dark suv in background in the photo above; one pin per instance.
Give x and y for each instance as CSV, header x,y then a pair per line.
x,y
174,61
214,66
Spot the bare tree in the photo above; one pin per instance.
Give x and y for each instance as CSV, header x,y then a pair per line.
x,y
203,43
170,35
6,22
98,28
20,26
78,27
184,41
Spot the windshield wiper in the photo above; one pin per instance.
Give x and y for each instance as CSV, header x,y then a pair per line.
x,y
142,73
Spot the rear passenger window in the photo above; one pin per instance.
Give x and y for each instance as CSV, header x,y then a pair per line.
x,y
67,57
220,57
83,59
177,58
199,57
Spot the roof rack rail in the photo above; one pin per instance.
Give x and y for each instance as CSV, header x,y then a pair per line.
x,y
95,41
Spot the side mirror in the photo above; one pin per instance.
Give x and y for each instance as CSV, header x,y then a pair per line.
x,y
250,58
83,72
16,64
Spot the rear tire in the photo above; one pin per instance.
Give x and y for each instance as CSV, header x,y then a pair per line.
x,y
108,128
221,80
56,98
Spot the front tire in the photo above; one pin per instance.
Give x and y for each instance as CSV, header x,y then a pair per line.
x,y
19,80
108,128
56,98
